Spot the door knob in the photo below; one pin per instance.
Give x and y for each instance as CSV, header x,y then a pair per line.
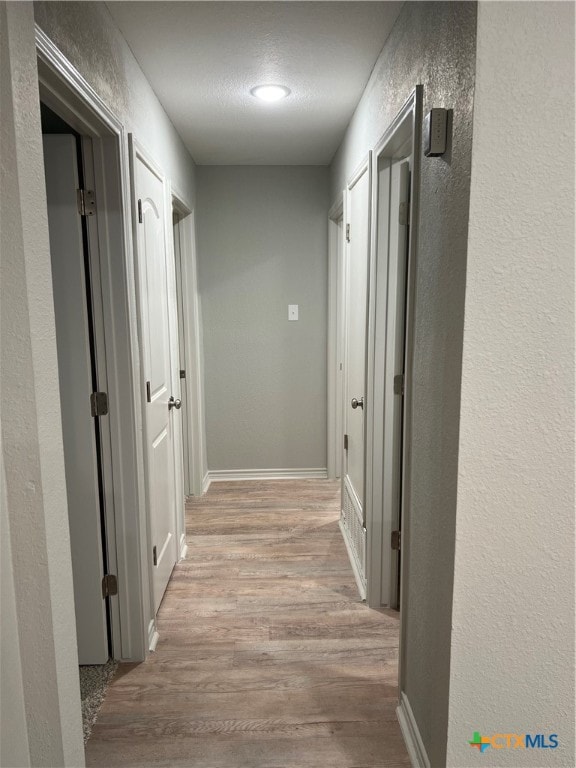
x,y
357,403
172,403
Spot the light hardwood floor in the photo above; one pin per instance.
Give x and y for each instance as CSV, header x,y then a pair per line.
x,y
267,658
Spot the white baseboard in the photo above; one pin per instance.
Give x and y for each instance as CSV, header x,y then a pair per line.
x,y
206,483
411,734
153,636
218,475
183,547
352,558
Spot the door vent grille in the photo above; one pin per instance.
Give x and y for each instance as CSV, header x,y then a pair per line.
x,y
354,531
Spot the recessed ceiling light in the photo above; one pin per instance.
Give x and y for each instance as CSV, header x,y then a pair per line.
x,y
270,92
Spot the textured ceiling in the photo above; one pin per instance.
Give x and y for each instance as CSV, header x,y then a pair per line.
x,y
202,59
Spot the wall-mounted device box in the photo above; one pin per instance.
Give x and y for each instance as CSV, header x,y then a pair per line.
x,y
435,126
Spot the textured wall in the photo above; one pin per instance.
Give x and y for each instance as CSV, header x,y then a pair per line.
x,y
513,638
33,461
262,242
433,44
87,35
14,748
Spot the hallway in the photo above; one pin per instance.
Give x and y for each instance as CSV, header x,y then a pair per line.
x,y
266,655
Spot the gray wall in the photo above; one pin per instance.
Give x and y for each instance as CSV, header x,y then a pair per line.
x,y
432,44
14,746
262,244
38,627
88,36
513,614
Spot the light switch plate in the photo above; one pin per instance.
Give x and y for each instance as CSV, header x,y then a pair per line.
x,y
292,311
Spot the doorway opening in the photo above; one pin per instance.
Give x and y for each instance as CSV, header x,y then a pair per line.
x,y
377,280
68,166
395,208
393,180
108,361
195,470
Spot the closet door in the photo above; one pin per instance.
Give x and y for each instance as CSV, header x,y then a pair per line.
x,y
69,280
159,342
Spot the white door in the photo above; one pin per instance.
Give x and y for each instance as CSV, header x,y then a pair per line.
x,y
356,313
76,386
394,367
158,337
183,373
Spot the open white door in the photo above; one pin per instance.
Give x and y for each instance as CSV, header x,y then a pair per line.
x,y
399,172
356,314
335,358
183,372
395,213
76,386
159,345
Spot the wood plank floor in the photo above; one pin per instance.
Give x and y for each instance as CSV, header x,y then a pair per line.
x,y
267,658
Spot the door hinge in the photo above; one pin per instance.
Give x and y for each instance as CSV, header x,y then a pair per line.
x,y
155,555
399,384
347,233
140,212
86,202
148,393
404,214
99,403
395,540
345,442
109,585
182,374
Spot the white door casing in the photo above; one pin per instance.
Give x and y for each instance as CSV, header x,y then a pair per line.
x,y
76,386
159,360
357,251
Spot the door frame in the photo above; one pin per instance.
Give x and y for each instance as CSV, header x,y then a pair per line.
x,y
65,91
406,124
187,276
335,338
